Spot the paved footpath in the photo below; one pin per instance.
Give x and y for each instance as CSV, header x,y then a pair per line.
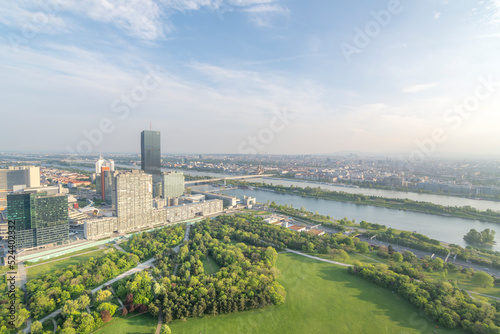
x,y
140,267
319,259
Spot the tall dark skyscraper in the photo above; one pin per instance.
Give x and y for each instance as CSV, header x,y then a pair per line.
x,y
151,154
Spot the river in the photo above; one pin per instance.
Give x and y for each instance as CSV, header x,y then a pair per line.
x,y
448,229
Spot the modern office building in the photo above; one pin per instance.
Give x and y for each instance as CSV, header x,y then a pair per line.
x,y
103,178
172,184
151,154
39,220
23,177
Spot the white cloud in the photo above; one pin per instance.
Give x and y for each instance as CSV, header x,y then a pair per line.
x,y
437,15
419,88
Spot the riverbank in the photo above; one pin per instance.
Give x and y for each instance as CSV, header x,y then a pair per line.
x,y
465,212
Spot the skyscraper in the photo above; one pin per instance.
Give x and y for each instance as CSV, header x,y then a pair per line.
x,y
40,220
151,153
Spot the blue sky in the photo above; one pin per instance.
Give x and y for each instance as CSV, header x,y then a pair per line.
x,y
360,76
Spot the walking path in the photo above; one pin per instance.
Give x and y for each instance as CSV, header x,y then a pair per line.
x,y
482,294
119,300
140,267
55,324
160,321
21,273
119,248
320,259
52,315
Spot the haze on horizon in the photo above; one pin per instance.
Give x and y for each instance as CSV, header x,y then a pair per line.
x,y
370,76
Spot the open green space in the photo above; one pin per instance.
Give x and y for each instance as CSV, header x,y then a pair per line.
x,y
36,271
210,266
321,298
86,250
144,323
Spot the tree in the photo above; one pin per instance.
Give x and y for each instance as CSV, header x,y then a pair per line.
x,y
105,316
362,247
69,308
36,327
483,279
397,257
165,329
437,263
107,307
83,301
87,324
484,237
103,296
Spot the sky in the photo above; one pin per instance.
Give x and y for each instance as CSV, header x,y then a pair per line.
x,y
251,76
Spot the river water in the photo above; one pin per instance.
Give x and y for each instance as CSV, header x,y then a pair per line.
x,y
448,229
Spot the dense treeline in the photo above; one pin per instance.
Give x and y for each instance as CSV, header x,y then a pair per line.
x,y
444,302
412,240
466,212
246,279
50,291
147,244
255,231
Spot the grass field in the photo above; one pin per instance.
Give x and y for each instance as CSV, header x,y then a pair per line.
x,y
141,324
210,267
91,249
36,271
321,298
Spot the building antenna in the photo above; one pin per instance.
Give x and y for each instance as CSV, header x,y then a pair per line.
x,y
150,126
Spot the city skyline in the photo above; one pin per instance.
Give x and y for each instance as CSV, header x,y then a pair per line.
x,y
321,78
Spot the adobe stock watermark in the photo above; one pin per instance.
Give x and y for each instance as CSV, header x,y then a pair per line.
x,y
31,29
363,37
257,143
453,116
121,106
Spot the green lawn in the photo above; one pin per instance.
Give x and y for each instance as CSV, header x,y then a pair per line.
x,y
36,271
210,267
90,249
141,324
321,298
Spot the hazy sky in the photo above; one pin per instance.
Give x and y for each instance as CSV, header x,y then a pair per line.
x,y
212,75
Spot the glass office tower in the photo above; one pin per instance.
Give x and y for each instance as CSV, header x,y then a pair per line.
x,y
40,220
151,154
